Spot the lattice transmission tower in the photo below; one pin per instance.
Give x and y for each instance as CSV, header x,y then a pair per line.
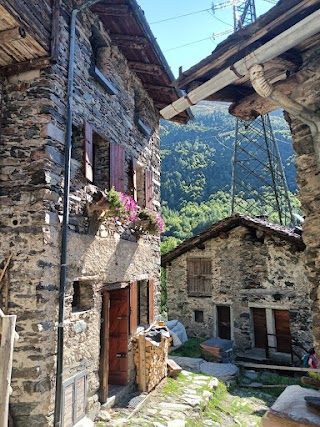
x,y
258,182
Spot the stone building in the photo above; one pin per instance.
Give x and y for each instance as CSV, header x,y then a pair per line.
x,y
271,64
242,279
81,88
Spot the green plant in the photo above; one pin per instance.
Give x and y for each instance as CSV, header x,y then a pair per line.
x,y
191,348
123,207
153,222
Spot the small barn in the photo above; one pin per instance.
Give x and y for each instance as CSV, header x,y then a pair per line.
x,y
243,279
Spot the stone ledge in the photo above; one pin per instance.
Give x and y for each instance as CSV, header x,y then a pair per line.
x,y
291,410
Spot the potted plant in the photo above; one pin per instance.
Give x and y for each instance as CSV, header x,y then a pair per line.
x,y
150,222
121,207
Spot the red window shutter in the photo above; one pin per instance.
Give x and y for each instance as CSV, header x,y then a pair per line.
x,y
117,167
133,307
134,180
149,188
151,300
88,152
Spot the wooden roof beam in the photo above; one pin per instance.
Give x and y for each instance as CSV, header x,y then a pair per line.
x,y
11,35
159,88
142,67
111,9
133,42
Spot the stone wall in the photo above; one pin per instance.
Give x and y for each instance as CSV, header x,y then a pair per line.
x,y
308,177
31,186
247,272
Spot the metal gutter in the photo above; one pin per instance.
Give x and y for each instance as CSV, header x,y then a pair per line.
x,y
298,33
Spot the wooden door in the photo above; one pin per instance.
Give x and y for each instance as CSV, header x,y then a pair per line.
x,y
118,336
224,325
260,328
104,349
283,334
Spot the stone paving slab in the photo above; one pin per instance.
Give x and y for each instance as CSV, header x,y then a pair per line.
x,y
168,409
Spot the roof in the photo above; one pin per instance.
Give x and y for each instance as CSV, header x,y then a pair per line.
x,y
240,44
229,224
128,28
26,37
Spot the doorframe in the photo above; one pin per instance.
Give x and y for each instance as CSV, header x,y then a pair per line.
x,y
216,318
270,323
104,349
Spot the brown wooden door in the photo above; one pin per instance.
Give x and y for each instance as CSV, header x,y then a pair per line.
x,y
260,328
118,336
224,326
283,334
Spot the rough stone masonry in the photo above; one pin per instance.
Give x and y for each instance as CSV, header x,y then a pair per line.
x,y
31,182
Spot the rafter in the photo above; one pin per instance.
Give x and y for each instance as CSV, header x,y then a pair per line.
x,y
133,42
159,88
111,9
11,35
141,67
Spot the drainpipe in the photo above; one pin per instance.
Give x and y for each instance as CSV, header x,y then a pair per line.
x,y
65,223
266,90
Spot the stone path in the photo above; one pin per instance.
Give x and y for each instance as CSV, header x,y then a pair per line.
x,y
169,408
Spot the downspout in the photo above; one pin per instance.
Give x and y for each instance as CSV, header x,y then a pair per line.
x,y
266,90
65,223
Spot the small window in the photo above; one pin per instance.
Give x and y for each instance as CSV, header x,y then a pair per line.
x,y
199,277
198,316
82,296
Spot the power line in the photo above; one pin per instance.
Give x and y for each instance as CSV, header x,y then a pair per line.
x,y
188,44
180,16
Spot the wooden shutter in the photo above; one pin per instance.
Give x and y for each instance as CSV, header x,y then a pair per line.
x,y
134,180
68,405
88,152
80,398
199,276
117,167
151,300
149,188
133,307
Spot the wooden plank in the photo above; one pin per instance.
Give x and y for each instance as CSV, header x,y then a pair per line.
x,y
133,307
55,30
35,19
5,267
133,42
151,301
173,368
142,67
276,367
7,335
104,354
12,34
142,383
21,67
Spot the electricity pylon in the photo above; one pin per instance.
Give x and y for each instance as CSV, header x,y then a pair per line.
x,y
259,184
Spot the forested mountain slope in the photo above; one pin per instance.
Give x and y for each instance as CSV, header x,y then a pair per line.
x,y
196,167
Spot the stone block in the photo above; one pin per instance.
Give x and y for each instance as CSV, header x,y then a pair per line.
x,y
291,410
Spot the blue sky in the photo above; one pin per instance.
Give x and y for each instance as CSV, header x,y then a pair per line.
x,y
197,27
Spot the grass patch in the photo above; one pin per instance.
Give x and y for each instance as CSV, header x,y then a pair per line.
x,y
191,348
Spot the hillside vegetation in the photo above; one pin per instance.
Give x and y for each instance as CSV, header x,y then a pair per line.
x,y
197,166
